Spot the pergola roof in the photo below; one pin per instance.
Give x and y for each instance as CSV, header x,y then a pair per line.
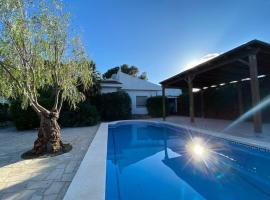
x,y
225,68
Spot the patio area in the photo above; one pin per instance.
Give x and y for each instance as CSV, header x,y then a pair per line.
x,y
44,178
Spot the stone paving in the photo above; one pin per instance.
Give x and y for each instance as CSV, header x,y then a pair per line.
x,y
43,178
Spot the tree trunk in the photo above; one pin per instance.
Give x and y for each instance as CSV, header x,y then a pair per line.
x,y
49,136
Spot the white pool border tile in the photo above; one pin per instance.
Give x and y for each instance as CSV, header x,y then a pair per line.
x,y
90,179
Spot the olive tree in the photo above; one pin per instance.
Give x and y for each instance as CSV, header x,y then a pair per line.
x,y
38,51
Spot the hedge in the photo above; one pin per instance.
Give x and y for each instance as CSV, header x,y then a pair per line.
x,y
4,113
23,119
84,115
114,106
154,106
108,107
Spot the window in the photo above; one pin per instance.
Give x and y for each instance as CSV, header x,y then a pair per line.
x,y
141,101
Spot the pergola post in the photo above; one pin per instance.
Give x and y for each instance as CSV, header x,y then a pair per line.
x,y
240,98
202,103
191,98
163,104
255,92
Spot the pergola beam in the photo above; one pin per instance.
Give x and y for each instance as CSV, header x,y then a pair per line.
x,y
206,75
226,62
243,61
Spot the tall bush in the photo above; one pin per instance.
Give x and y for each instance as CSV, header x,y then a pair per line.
x,y
84,115
115,106
23,118
4,116
154,106
27,118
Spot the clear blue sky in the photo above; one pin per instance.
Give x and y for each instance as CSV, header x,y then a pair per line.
x,y
162,37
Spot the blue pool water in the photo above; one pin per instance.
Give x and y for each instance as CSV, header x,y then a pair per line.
x,y
152,161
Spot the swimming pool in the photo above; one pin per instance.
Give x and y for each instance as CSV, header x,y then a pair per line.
x,y
158,161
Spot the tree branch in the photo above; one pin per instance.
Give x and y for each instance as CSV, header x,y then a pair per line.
x,y
11,75
35,108
41,108
56,99
60,104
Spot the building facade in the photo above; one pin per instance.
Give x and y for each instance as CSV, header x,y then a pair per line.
x,y
139,91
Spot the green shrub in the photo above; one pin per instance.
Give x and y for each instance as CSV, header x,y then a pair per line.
x,y
85,115
115,106
23,119
154,106
27,118
4,115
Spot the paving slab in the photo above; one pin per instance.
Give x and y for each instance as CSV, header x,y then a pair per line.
x,y
42,178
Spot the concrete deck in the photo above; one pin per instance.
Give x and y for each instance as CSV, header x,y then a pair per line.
x,y
43,178
242,130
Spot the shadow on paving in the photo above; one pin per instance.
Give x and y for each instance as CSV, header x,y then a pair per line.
x,y
13,144
41,178
48,182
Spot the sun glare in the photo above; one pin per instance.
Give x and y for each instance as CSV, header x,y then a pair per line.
x,y
201,60
197,149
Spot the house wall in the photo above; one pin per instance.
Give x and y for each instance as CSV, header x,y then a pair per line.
x,y
136,87
133,93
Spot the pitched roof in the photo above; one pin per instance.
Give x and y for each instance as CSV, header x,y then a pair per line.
x,y
134,83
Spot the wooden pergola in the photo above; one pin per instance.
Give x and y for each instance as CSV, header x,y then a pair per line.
x,y
245,62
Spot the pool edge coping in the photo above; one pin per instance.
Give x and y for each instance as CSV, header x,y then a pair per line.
x,y
232,138
89,180
94,162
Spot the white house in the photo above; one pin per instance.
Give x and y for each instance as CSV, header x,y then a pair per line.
x,y
139,90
